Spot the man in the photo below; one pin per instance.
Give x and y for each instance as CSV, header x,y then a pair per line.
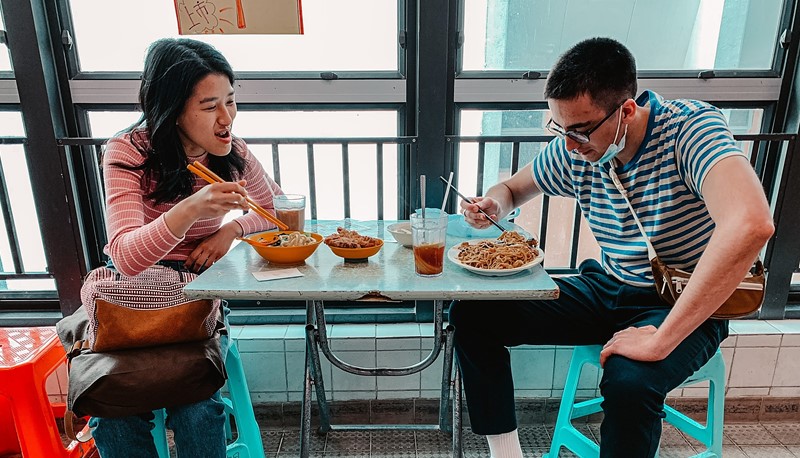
x,y
702,207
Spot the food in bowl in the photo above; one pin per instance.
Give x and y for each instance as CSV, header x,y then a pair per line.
x,y
287,247
401,232
286,239
353,246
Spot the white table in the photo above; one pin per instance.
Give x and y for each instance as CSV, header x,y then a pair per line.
x,y
386,276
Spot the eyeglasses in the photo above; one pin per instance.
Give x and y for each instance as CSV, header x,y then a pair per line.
x,y
579,137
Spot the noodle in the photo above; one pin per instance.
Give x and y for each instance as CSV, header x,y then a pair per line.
x,y
293,239
509,251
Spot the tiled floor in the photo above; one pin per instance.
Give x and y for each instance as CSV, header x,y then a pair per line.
x,y
753,440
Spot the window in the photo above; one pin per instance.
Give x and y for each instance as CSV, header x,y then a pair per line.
x,y
21,248
690,35
356,35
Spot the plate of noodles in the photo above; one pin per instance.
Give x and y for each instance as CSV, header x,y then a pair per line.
x,y
506,255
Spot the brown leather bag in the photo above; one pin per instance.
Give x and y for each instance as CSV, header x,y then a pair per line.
x,y
744,301
134,381
144,310
670,282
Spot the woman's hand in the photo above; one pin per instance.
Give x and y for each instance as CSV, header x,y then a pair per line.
x,y
217,199
213,247
474,217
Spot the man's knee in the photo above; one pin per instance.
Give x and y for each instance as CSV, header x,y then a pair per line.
x,y
631,384
465,316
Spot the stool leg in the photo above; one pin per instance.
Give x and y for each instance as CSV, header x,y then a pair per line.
x,y
565,433
159,432
34,420
246,425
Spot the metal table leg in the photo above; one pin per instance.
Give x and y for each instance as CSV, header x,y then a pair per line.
x,y
317,340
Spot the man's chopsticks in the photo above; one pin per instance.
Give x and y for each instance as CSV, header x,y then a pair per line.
x,y
471,202
207,174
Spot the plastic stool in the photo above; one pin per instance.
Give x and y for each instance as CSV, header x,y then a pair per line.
x,y
248,441
710,435
27,357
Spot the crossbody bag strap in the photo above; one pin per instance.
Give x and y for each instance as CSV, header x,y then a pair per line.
x,y
651,252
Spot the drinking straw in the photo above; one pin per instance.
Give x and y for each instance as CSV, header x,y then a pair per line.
x,y
422,195
447,191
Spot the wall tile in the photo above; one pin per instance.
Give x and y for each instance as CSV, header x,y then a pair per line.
x,y
532,368
397,359
265,371
787,369
745,392
753,367
431,377
743,327
344,381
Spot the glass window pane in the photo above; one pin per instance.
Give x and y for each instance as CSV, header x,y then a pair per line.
x,y
293,159
357,35
691,35
5,58
23,210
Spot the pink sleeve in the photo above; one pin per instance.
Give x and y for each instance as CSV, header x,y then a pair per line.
x,y
133,244
260,188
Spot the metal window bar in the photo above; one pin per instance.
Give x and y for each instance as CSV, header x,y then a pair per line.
x,y
764,161
406,147
16,271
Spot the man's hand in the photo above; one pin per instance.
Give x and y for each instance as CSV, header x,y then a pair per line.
x,y
638,344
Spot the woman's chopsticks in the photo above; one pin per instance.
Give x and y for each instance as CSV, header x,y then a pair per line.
x,y
471,202
207,174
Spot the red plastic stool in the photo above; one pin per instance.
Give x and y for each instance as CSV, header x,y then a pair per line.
x,y
27,357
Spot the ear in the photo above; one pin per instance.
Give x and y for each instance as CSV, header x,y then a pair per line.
x,y
628,109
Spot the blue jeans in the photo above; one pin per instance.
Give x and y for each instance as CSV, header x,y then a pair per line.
x,y
592,306
199,428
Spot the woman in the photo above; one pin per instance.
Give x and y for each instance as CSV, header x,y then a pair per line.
x,y
160,213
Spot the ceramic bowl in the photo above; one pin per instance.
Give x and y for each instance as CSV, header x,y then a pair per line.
x,y
284,254
357,254
401,232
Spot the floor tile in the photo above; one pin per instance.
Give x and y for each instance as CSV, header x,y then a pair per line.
x,y
786,433
750,434
769,451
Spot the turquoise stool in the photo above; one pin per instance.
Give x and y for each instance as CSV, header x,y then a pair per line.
x,y
248,441
565,435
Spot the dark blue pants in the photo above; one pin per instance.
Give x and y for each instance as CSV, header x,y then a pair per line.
x,y
592,306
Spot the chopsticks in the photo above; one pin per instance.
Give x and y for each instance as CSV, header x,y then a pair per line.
x,y
207,174
471,202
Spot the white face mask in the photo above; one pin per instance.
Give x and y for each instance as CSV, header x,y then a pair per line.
x,y
614,148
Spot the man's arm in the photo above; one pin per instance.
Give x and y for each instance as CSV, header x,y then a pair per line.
x,y
743,225
501,198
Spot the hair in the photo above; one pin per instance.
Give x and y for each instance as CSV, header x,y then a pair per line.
x,y
172,69
602,68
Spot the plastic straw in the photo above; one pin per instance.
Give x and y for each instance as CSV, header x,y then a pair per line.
x,y
422,194
447,191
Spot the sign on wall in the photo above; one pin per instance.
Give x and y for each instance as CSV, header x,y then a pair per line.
x,y
239,16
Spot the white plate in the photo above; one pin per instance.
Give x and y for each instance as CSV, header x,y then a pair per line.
x,y
452,255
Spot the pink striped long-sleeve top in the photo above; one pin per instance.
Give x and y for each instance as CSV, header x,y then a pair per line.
x,y
138,236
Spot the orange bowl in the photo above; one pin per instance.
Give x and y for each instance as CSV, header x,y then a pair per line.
x,y
284,254
357,254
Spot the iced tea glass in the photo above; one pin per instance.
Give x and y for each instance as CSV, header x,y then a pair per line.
x,y
428,238
291,209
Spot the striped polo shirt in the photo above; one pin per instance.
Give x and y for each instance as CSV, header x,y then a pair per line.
x,y
684,140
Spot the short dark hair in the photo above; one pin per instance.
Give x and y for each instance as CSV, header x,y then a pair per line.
x,y
172,69
602,68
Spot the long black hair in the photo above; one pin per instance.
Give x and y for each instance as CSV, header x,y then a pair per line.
x,y
602,68
172,69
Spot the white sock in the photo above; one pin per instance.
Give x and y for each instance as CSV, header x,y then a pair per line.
x,y
505,445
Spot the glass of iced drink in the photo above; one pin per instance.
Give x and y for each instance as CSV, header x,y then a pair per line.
x,y
291,209
428,235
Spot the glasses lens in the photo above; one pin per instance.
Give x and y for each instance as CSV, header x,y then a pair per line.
x,y
579,137
555,129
